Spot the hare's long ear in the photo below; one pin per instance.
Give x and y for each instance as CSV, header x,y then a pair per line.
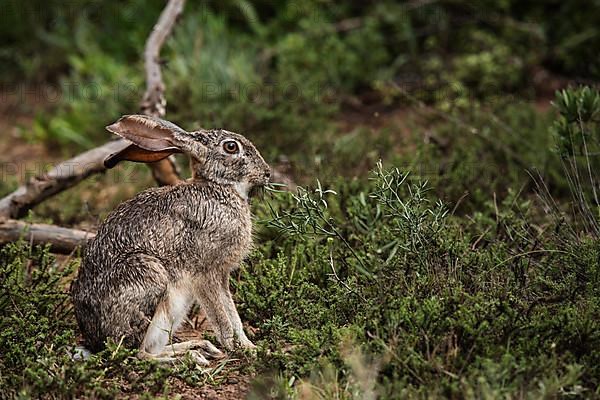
x,y
153,139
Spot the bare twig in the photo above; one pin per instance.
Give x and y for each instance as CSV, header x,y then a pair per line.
x,y
69,173
339,280
63,176
154,102
61,240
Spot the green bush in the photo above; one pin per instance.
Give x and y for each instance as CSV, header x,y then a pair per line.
x,y
441,311
357,288
577,134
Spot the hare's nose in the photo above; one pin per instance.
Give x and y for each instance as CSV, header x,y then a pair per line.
x,y
268,173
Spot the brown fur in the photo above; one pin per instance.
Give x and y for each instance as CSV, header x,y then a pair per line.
x,y
168,247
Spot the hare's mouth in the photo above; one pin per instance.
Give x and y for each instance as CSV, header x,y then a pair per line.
x,y
257,191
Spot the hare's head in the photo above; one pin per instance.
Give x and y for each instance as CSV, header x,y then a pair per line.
x,y
217,155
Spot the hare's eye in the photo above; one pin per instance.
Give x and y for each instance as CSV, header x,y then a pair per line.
x,y
231,147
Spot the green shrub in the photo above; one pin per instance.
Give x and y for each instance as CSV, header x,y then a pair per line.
x,y
444,312
577,134
373,287
35,313
260,68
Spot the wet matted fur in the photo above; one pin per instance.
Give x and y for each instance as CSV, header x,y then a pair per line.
x,y
166,248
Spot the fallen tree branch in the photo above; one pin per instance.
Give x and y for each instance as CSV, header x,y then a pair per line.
x,y
61,240
69,173
63,176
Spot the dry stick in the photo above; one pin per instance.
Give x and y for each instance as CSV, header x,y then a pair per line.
x,y
154,102
63,176
61,240
69,173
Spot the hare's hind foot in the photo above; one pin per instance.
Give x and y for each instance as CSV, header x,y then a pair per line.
x,y
200,352
202,345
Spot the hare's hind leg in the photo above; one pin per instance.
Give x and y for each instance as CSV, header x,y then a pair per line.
x,y
125,301
169,315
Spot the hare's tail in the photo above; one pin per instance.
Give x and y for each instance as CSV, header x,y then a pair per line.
x,y
80,353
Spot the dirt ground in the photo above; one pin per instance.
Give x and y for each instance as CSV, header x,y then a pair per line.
x,y
233,389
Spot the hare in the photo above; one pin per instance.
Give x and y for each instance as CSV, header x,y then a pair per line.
x,y
166,248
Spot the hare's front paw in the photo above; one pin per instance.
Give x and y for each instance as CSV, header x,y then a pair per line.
x,y
198,358
208,348
245,343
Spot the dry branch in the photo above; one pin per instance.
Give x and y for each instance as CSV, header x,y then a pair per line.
x,y
61,240
63,176
69,173
154,102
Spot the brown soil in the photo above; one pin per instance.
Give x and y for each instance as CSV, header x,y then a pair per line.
x,y
236,387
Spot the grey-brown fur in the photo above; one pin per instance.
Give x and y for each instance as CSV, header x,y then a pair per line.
x,y
168,247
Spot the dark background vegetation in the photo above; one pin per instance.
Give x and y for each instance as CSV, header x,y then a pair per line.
x,y
446,244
